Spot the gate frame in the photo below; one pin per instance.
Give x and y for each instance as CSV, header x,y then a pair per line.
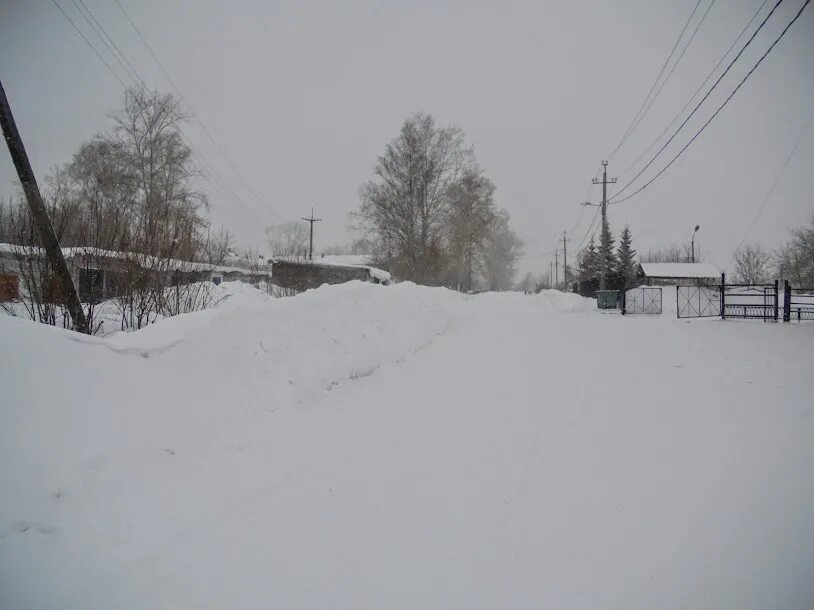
x,y
699,288
623,300
806,306
770,312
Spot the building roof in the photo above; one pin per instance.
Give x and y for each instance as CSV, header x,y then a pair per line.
x,y
343,261
680,270
143,260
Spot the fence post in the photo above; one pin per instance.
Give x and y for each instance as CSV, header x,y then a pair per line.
x,y
624,301
723,296
776,298
786,301
678,311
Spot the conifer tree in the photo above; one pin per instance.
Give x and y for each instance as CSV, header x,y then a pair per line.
x,y
626,258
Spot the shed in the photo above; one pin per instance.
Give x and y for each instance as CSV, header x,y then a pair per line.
x,y
686,274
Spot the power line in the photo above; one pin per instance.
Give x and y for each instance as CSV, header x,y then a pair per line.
x,y
92,48
200,122
677,61
634,123
798,140
708,93
697,91
588,194
102,33
721,107
591,226
112,47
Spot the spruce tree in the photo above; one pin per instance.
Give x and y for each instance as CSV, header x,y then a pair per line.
x,y
626,257
589,262
607,257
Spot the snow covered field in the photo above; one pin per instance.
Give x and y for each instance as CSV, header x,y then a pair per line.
x,y
364,447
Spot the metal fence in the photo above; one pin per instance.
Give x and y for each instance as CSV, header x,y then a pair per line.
x,y
798,303
642,300
739,301
698,301
750,301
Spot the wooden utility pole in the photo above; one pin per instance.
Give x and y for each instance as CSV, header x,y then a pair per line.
x,y
311,220
565,260
39,214
556,269
603,263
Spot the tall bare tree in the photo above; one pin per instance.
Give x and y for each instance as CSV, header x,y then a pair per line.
x,y
500,254
471,210
405,205
168,206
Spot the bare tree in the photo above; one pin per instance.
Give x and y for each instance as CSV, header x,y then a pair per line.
x,y
405,206
287,239
752,264
471,210
672,254
159,162
795,259
127,208
500,254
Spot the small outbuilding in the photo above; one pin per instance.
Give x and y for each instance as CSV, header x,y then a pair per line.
x,y
678,274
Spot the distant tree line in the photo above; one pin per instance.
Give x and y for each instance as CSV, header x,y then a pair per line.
x,y
429,213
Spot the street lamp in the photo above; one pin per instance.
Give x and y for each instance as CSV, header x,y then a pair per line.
x,y
692,242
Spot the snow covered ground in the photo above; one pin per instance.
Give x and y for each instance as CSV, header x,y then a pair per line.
x,y
360,446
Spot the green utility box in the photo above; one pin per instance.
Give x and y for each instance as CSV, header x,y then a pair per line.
x,y
606,299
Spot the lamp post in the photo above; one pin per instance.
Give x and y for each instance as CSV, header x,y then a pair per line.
x,y
692,242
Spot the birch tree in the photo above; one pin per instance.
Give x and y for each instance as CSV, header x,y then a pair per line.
x,y
405,205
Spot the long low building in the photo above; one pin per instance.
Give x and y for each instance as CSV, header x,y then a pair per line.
x,y
302,274
681,274
103,274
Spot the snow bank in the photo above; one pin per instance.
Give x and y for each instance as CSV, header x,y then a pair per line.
x,y
360,446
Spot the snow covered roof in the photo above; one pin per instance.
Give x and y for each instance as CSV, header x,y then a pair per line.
x,y
352,261
680,270
143,260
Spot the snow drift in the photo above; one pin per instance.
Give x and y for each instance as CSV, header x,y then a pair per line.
x,y
360,446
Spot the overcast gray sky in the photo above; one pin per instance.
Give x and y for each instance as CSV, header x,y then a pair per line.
x,y
304,95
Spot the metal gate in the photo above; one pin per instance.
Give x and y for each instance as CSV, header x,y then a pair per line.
x,y
798,303
644,299
751,301
698,301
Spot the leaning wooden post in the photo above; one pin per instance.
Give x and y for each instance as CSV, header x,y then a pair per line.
x,y
723,296
40,214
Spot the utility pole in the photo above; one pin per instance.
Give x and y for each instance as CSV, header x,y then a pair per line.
x,y
551,274
311,220
565,261
604,261
39,213
556,269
